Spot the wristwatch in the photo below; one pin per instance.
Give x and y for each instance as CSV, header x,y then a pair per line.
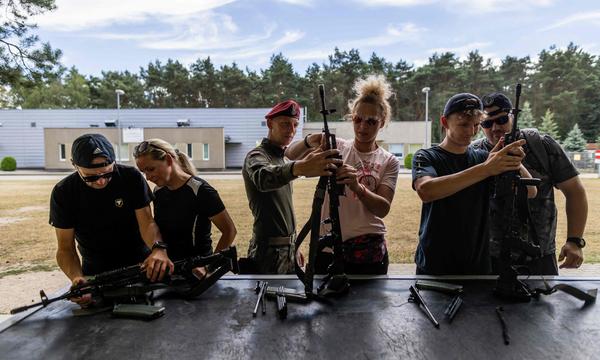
x,y
160,245
580,242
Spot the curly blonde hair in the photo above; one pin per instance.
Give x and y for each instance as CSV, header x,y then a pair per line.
x,y
374,89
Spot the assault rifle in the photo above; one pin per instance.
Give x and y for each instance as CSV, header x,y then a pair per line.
x,y
509,222
335,282
131,281
509,229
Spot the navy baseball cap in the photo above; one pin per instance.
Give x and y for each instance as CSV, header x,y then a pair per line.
x,y
90,146
497,99
462,102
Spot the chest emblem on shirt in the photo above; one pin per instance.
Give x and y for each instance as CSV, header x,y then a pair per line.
x,y
119,203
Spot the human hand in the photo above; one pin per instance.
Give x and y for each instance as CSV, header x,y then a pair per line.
x,y
299,258
572,255
156,265
318,163
504,158
200,272
348,175
84,300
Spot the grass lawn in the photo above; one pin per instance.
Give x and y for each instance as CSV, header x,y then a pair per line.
x,y
27,242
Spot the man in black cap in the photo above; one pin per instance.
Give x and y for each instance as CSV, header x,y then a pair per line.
x,y
103,207
546,160
451,181
267,177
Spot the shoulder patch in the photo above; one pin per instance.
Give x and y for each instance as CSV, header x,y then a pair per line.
x,y
194,184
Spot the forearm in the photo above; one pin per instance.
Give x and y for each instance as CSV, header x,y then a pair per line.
x,y
436,188
296,150
150,234
226,240
272,177
69,263
376,204
577,210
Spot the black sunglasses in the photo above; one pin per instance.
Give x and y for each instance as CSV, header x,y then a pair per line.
x,y
370,121
94,178
486,124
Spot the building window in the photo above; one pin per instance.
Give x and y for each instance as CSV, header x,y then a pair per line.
x,y
62,152
190,151
33,124
412,148
205,152
124,152
397,150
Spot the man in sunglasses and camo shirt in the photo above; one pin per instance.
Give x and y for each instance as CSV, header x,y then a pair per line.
x,y
104,208
546,160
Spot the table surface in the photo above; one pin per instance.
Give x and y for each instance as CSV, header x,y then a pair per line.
x,y
373,321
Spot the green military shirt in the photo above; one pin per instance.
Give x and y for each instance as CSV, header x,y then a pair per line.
x,y
267,178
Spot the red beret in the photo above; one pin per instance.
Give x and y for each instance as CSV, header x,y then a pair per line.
x,y
286,108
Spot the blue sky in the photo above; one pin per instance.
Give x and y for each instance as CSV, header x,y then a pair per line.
x,y
126,34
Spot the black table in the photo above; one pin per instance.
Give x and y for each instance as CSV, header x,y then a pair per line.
x,y
373,321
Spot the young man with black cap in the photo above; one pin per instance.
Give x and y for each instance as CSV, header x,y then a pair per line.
x,y
546,160
104,208
450,180
267,177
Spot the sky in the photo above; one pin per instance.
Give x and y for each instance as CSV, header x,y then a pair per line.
x,y
97,35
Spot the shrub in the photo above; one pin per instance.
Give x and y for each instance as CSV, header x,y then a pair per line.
x,y
408,161
8,164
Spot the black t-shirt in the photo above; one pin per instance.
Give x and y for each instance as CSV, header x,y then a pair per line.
x,y
552,166
453,231
183,216
104,221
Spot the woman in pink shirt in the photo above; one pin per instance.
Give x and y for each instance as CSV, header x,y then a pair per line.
x,y
369,173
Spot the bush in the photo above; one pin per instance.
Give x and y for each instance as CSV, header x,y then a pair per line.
x,y
408,161
8,164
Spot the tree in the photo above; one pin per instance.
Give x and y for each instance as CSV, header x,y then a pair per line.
x,y
574,140
548,125
21,53
526,119
102,90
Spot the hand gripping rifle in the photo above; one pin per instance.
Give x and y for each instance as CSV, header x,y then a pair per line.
x,y
335,282
131,281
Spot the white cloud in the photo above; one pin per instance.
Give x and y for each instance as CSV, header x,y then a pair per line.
x,y
588,17
307,3
464,6
404,33
73,15
461,51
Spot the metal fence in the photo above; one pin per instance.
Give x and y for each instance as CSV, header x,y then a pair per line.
x,y
583,161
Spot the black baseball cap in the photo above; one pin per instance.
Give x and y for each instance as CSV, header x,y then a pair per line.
x,y
90,146
462,102
497,99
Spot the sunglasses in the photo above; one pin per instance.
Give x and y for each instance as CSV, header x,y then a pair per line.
x,y
141,148
370,121
94,178
486,124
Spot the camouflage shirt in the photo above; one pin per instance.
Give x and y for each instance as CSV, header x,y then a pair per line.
x,y
267,177
552,170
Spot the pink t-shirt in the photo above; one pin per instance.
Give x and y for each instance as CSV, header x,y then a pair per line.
x,y
375,168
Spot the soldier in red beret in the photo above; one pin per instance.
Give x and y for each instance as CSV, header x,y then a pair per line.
x,y
267,177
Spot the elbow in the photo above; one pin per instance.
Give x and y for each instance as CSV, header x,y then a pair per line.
x,y
424,194
383,211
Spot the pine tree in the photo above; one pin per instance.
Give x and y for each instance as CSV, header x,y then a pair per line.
x,y
526,119
549,126
575,140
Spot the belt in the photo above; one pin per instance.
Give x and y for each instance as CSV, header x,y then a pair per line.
x,y
281,240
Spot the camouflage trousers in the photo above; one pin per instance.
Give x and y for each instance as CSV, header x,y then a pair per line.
x,y
271,258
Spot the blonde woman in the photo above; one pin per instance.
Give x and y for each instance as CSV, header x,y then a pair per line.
x,y
369,173
185,206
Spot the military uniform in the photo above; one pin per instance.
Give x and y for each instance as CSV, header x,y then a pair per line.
x,y
546,160
267,178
